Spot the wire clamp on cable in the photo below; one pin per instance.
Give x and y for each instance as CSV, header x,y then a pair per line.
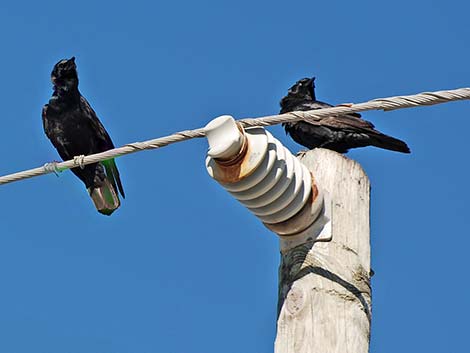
x,y
51,167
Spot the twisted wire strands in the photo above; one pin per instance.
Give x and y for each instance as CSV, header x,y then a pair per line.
x,y
312,116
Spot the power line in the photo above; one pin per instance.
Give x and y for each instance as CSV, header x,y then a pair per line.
x,y
311,116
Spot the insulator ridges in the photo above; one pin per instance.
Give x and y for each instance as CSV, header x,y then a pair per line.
x,y
272,183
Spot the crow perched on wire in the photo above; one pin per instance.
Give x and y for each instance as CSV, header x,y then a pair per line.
x,y
337,133
74,129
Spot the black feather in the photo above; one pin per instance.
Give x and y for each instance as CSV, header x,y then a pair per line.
x,y
338,133
74,129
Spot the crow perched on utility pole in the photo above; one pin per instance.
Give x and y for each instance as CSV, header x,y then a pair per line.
x,y
337,132
74,129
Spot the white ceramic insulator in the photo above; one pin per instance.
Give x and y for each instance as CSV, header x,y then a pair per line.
x,y
276,186
225,140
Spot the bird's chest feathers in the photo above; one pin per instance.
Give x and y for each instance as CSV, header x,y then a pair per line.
x,y
68,126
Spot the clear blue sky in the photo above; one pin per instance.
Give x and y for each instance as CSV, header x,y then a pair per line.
x,y
182,267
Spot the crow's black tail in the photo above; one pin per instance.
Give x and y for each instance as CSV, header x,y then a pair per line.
x,y
389,143
105,192
105,198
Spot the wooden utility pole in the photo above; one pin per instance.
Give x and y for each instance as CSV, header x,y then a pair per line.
x,y
324,287
320,210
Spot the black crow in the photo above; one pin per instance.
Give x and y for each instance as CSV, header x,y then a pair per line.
x,y
74,129
337,133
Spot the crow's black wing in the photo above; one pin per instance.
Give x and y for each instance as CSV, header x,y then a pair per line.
x,y
339,132
105,142
347,122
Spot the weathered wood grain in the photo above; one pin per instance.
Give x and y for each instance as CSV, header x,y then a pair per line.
x,y
324,288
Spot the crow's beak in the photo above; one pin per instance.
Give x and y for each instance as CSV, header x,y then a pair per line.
x,y
312,82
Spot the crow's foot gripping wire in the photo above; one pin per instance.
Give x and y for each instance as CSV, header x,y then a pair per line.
x,y
78,161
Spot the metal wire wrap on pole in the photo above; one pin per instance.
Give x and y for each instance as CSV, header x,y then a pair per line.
x,y
311,116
